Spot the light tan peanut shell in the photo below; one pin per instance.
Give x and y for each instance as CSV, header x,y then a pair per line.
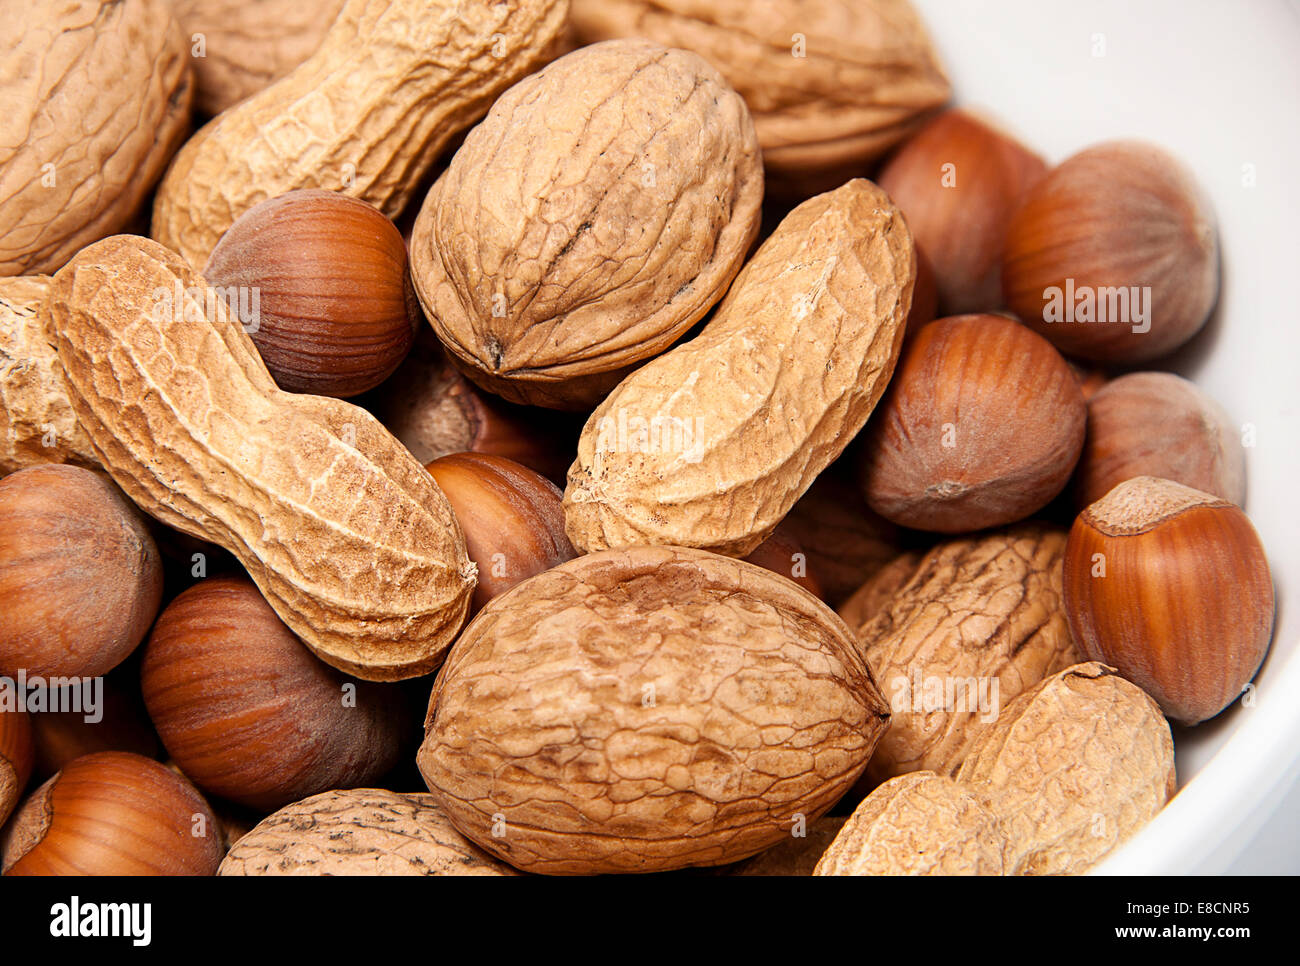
x,y
647,709
249,44
37,424
600,210
978,612
345,534
96,97
1079,763
920,824
361,831
711,444
367,114
831,83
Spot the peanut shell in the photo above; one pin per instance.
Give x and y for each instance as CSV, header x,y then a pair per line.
x,y
711,444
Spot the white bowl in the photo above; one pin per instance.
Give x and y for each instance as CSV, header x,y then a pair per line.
x,y
1217,85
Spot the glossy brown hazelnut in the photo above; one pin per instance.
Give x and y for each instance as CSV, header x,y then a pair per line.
x,y
320,282
512,517
80,576
981,426
435,411
113,813
1159,424
957,182
1170,586
1114,255
248,713
783,554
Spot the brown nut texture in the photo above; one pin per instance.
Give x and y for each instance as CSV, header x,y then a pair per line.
x,y
250,44
845,540
1171,586
982,426
647,709
346,535
958,181
368,113
978,622
63,734
600,210
362,831
879,590
1114,255
249,714
435,411
920,824
1159,424
831,84
80,576
17,750
512,517
97,98
711,444
782,554
1073,768
37,424
795,854
113,813
334,313
1076,765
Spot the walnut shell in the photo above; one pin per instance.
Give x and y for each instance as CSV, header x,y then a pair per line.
x,y
647,709
37,424
249,44
831,83
976,611
600,210
97,98
711,444
363,831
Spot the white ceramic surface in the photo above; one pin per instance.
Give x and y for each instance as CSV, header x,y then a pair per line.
x,y
1217,83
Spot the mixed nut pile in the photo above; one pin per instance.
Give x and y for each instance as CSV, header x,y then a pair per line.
x,y
833,586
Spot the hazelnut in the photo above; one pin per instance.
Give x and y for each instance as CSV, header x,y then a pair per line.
x,y
1114,255
80,576
435,411
335,310
248,713
17,752
783,554
113,813
1159,424
1170,586
981,426
512,517
957,182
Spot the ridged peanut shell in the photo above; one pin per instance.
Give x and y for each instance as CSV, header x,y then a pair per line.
x,y
831,83
250,44
96,98
647,709
598,212
920,824
711,444
1076,766
363,831
367,114
37,424
345,534
976,611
